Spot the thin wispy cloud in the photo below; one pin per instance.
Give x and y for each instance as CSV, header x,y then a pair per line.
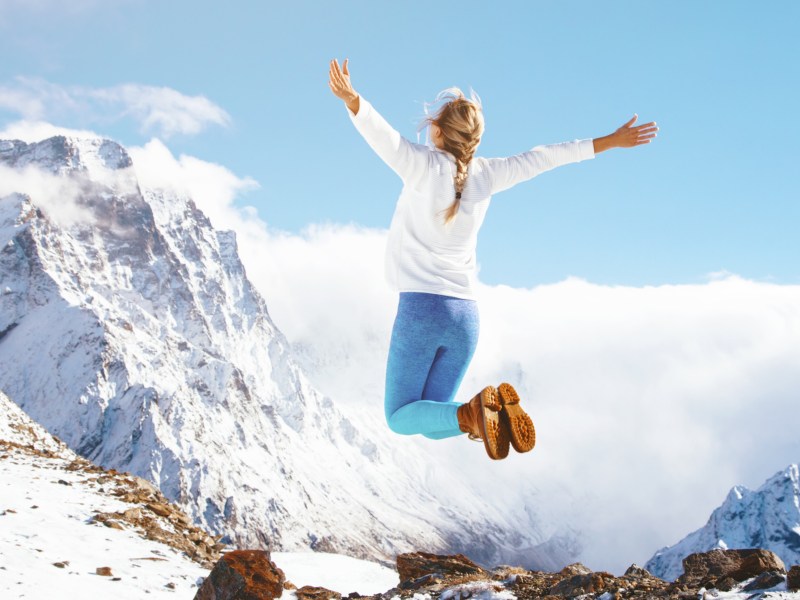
x,y
161,111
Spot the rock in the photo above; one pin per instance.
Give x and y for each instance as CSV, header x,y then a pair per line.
x,y
587,583
710,569
765,581
243,575
418,564
104,571
133,514
793,579
415,584
574,569
636,571
309,592
61,564
160,509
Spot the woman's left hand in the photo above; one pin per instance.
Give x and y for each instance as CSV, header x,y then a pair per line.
x,y
626,136
629,136
339,83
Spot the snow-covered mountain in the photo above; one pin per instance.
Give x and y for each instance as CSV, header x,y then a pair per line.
x,y
51,541
129,329
767,518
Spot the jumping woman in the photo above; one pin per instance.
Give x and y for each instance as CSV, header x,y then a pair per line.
x,y
430,260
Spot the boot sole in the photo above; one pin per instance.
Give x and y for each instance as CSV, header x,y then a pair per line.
x,y
496,434
520,425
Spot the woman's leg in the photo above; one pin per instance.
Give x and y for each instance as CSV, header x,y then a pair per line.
x,y
433,340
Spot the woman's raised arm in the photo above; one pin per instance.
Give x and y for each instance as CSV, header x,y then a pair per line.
x,y
408,160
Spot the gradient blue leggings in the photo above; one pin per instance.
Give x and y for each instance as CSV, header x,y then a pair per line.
x,y
433,340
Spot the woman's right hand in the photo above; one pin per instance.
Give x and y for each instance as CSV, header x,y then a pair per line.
x,y
339,83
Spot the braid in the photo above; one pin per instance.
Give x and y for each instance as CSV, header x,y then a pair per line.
x,y
460,181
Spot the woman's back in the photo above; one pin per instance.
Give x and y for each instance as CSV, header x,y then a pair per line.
x,y
426,253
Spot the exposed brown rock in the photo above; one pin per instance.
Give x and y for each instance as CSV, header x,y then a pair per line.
x,y
793,578
162,510
574,569
104,571
636,571
309,592
587,583
418,564
722,569
765,581
243,575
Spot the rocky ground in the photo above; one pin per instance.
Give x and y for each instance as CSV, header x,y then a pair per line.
x,y
728,574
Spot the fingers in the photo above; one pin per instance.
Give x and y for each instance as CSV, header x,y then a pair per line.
x,y
346,72
336,74
632,121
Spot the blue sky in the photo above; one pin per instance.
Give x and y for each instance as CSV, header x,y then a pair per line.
x,y
716,191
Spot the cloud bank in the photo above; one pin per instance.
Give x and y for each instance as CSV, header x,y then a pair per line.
x,y
650,403
158,110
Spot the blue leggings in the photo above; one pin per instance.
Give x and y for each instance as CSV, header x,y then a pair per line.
x,y
433,340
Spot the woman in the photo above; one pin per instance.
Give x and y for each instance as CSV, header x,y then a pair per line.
x,y
430,260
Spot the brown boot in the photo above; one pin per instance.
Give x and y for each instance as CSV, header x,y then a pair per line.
x,y
518,423
480,419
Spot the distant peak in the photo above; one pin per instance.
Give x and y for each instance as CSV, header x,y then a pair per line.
x,y
64,153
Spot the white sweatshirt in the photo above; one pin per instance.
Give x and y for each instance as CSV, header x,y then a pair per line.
x,y
423,254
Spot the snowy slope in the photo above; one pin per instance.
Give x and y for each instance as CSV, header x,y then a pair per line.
x,y
129,329
766,518
46,511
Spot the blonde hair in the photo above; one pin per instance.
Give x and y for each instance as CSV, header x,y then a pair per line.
x,y
460,121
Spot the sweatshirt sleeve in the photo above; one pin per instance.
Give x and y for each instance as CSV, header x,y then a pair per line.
x,y
508,172
407,159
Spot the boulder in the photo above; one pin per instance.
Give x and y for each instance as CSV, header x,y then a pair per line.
x,y
309,592
574,569
636,571
414,565
243,575
793,579
586,583
722,569
765,581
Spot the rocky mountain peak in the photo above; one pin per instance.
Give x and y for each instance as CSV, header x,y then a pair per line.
x,y
60,154
768,518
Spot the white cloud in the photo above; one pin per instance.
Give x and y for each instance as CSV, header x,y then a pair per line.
x,y
158,110
212,186
56,195
36,131
650,403
163,109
